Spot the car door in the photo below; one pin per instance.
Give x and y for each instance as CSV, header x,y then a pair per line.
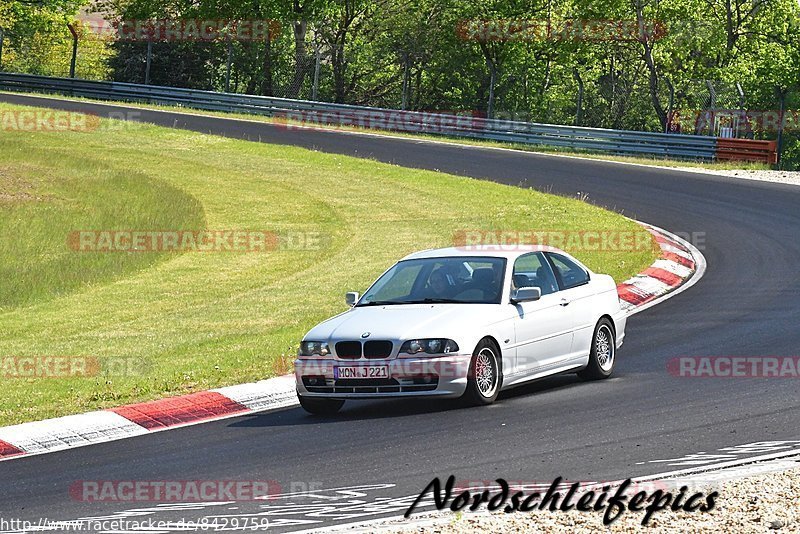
x,y
543,327
576,293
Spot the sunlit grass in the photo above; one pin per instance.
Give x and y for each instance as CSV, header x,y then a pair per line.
x,y
200,320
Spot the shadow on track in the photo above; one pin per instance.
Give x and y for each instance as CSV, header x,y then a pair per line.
x,y
357,410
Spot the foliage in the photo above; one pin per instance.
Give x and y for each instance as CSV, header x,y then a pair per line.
x,y
670,54
37,39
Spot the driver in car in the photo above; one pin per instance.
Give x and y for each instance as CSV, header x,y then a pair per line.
x,y
439,284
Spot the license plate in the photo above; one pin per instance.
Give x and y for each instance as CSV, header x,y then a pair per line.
x,y
359,372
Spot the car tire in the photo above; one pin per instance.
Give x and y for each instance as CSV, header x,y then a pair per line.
x,y
602,355
321,406
485,375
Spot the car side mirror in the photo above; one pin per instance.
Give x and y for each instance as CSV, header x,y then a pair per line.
x,y
526,294
351,297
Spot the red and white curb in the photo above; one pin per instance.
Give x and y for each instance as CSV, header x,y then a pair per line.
x,y
137,419
680,266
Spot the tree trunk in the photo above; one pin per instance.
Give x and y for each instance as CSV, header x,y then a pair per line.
x,y
300,59
339,65
267,88
647,48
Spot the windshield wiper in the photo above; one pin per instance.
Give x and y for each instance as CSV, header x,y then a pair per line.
x,y
434,301
379,303
420,301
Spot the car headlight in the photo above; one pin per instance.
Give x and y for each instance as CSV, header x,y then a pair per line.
x,y
313,348
429,346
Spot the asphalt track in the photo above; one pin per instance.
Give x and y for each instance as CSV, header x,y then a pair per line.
x,y
748,304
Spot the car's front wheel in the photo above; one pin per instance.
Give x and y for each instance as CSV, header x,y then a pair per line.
x,y
603,352
485,374
321,406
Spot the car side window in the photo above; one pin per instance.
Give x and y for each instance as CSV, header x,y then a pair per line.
x,y
569,273
532,270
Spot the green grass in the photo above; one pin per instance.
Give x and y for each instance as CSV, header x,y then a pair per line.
x,y
639,160
192,321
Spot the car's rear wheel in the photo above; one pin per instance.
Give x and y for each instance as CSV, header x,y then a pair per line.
x,y
485,374
321,406
603,353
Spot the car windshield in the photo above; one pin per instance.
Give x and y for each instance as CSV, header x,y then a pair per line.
x,y
475,280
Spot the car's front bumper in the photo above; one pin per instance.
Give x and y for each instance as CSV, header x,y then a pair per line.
x,y
444,376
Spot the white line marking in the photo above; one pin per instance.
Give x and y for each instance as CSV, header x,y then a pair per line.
x,y
276,392
673,267
647,285
712,474
675,250
721,465
70,431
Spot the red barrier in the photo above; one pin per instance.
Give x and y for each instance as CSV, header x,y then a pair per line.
x,y
747,150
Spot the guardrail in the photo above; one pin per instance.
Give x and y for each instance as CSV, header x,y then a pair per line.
x,y
303,112
747,150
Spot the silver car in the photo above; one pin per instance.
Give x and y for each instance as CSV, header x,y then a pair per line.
x,y
463,323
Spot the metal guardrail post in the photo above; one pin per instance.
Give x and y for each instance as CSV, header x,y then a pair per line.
x,y
147,62
671,103
406,73
579,103
74,50
228,64
741,107
492,80
317,60
781,94
712,106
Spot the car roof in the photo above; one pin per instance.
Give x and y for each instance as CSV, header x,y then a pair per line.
x,y
492,251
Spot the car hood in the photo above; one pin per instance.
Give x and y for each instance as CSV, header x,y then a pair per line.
x,y
406,321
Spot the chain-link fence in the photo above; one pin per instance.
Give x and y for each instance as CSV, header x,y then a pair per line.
x,y
49,51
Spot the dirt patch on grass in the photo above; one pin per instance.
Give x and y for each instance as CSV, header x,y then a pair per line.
x,y
16,189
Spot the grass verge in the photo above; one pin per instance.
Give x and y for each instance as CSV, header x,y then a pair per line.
x,y
196,320
544,149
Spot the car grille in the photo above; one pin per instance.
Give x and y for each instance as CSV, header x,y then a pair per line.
x,y
319,384
375,350
348,350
